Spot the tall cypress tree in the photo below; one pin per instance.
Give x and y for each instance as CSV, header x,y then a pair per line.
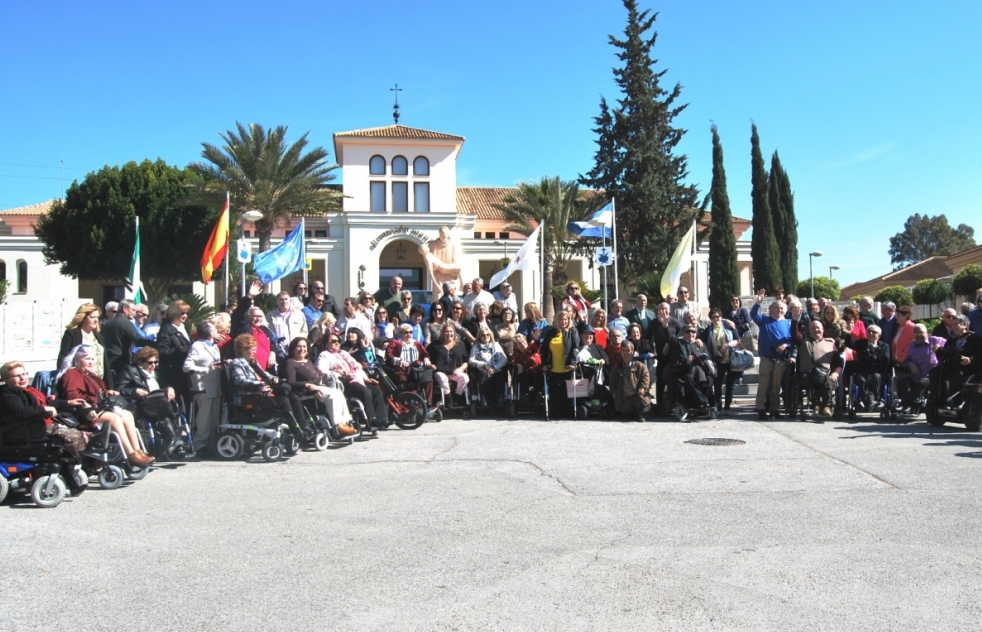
x,y
763,244
724,277
634,162
781,202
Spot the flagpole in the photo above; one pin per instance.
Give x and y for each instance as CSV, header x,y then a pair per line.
x,y
613,214
304,232
603,243
228,248
542,261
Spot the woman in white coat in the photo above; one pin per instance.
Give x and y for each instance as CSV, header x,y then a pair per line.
x,y
203,365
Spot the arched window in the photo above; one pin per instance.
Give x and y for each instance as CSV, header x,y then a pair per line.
x,y
3,270
22,277
400,166
421,166
376,166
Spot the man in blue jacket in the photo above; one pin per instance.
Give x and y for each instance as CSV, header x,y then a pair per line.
x,y
774,348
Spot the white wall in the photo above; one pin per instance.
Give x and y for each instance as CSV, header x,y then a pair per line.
x,y
44,282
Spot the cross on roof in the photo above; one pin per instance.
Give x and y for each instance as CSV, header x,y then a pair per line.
x,y
395,108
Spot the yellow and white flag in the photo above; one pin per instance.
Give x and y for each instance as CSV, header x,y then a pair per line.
x,y
679,263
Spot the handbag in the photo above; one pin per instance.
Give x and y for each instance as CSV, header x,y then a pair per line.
x,y
67,419
421,374
154,406
741,360
749,340
818,376
578,388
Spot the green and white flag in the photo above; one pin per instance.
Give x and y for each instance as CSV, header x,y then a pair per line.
x,y
134,287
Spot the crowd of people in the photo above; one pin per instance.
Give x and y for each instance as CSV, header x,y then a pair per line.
x,y
118,362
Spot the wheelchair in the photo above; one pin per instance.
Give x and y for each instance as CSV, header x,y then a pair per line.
x,y
256,425
801,400
588,395
406,406
164,428
852,398
327,428
33,461
963,406
687,405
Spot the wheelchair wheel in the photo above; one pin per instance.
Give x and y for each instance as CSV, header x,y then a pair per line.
x,y
44,497
229,445
473,409
933,417
111,477
512,410
582,412
80,482
320,441
4,487
680,412
972,414
290,444
414,414
272,452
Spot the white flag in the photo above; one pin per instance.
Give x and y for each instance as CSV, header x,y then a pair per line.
x,y
524,259
679,263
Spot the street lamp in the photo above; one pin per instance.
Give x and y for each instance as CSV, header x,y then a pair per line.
x,y
248,216
830,271
811,275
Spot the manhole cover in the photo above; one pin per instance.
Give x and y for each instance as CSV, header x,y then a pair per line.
x,y
714,441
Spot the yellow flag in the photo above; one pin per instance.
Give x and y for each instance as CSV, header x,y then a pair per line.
x,y
679,263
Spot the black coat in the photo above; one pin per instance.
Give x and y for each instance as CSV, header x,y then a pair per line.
x,y
129,380
663,336
173,349
120,335
872,359
571,343
72,339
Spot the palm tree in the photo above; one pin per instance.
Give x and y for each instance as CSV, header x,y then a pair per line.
x,y
558,203
262,173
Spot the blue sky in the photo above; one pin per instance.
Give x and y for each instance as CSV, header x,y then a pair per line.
x,y
874,107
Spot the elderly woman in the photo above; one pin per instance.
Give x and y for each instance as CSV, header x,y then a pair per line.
x,y
203,365
480,320
416,313
486,362
304,378
77,381
357,346
457,316
507,325
137,381
356,382
174,343
533,324
720,339
449,357
405,305
904,335
223,338
21,402
84,329
404,354
250,380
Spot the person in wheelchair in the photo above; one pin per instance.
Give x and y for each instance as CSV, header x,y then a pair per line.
x,y
596,361
692,366
19,401
403,355
913,373
872,367
449,357
304,379
630,385
356,382
250,383
959,358
138,383
76,381
526,360
486,362
819,365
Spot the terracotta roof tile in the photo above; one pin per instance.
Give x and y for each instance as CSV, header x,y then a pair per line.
x,y
398,131
34,209
930,268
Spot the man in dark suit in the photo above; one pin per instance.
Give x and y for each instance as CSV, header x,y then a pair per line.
x,y
641,314
663,333
943,329
121,336
888,324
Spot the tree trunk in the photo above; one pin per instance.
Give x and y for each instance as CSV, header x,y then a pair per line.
x,y
549,305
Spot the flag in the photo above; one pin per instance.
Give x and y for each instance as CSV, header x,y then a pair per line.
x,y
603,217
285,259
524,259
134,288
679,262
216,247
599,225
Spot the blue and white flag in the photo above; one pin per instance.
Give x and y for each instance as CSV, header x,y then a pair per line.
x,y
599,225
290,256
603,217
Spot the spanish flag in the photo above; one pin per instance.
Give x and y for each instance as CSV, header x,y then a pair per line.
x,y
217,246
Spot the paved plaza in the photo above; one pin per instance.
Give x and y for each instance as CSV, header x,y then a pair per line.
x,y
526,525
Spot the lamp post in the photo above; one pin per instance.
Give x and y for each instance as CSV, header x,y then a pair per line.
x,y
248,216
830,271
811,275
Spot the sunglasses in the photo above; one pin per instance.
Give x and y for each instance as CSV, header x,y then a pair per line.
x,y
334,341
152,362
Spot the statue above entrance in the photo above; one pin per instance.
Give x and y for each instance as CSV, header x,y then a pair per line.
x,y
440,256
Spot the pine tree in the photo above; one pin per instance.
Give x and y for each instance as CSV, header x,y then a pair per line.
x,y
763,244
724,277
634,162
781,201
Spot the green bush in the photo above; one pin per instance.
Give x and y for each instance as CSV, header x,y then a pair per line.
x,y
824,286
932,292
968,281
930,323
4,284
896,293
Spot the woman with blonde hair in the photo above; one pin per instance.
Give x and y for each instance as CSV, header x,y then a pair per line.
x,y
599,324
222,338
533,324
84,329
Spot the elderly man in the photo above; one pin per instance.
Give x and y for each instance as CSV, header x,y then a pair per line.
x,y
390,294
353,319
680,307
477,295
866,312
888,322
944,328
873,363
641,314
506,296
629,385
663,331
921,359
121,336
819,364
616,319
960,357
691,364
775,348
331,304
286,321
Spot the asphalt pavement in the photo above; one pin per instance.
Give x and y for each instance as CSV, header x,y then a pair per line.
x,y
526,525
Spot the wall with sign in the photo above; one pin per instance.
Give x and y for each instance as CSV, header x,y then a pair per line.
x,y
32,332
